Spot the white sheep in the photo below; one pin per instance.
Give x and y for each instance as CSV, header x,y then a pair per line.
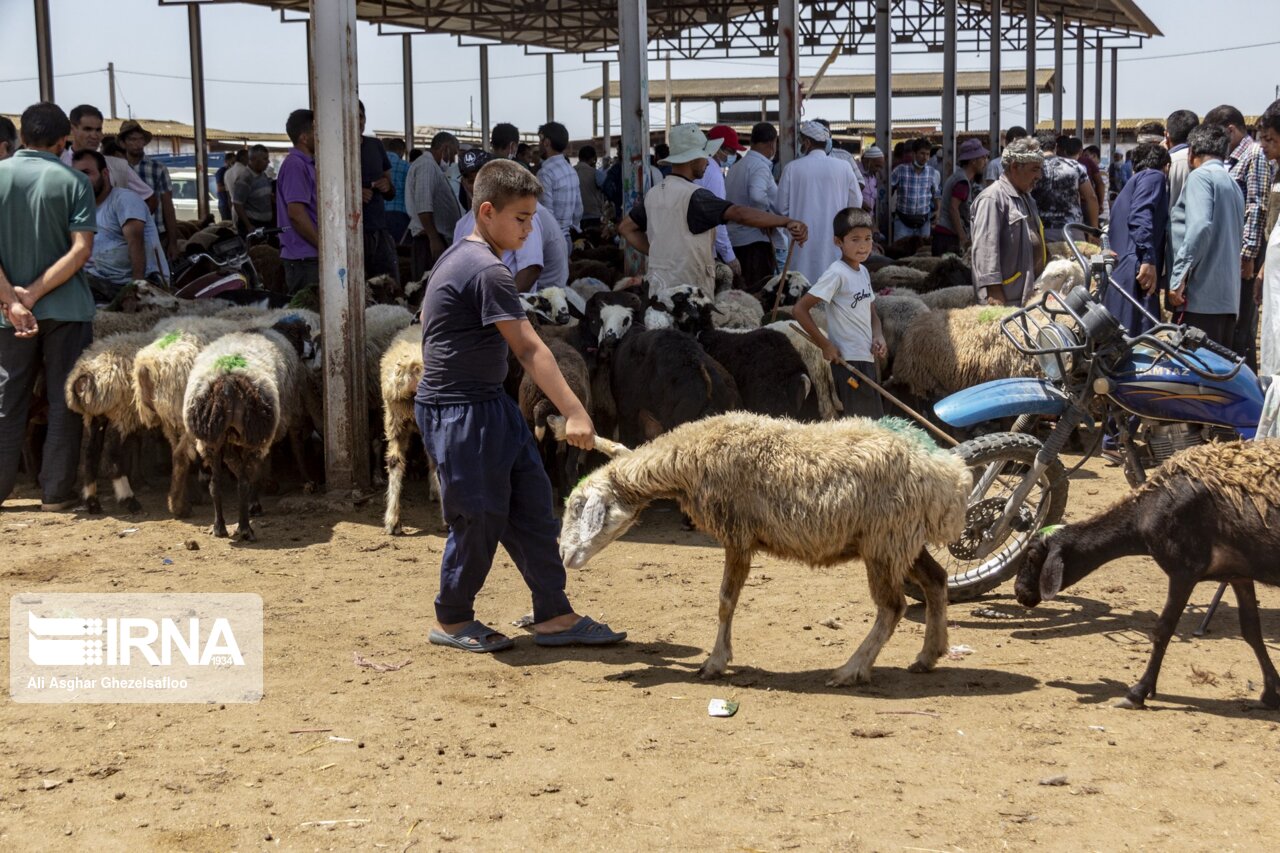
x,y
824,384
821,494
957,296
943,352
1060,275
723,277
897,311
99,388
247,391
737,309
553,305
588,287
399,374
797,286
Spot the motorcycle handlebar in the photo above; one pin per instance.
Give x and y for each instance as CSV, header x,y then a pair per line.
x,y
1197,339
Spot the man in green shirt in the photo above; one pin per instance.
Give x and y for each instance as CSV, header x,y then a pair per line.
x,y
46,235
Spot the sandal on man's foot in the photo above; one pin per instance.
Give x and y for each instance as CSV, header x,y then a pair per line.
x,y
473,637
587,632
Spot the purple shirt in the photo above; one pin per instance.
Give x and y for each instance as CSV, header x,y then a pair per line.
x,y
296,182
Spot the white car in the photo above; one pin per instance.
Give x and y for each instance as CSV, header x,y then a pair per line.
x,y
184,194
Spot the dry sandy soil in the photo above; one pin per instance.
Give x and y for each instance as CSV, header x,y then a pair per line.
x,y
613,748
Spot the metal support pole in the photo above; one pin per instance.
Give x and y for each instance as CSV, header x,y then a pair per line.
x,y
994,111
551,87
111,83
1058,22
966,113
633,74
342,286
949,88
884,108
853,108
788,80
1115,54
199,129
679,112
1097,94
44,50
666,82
484,96
764,109
1079,83
1033,94
406,52
606,126
595,123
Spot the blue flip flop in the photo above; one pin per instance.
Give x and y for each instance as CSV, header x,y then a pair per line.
x,y
471,638
588,632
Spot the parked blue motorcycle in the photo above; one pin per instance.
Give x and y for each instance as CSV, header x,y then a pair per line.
x,y
1159,392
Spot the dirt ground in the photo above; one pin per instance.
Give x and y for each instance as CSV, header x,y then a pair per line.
x,y
1013,746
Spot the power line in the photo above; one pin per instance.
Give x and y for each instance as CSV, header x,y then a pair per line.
x,y
187,77
56,76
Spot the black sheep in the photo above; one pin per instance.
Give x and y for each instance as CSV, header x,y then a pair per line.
x,y
770,375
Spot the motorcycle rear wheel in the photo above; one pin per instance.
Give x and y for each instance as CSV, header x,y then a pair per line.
x,y
969,577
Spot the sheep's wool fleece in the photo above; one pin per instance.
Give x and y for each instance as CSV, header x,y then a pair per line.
x,y
819,493
1243,474
266,360
947,351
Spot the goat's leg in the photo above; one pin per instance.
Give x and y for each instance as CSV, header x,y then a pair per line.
x,y
121,458
214,457
246,475
181,456
932,578
886,592
1251,629
1180,586
90,456
397,435
297,443
737,565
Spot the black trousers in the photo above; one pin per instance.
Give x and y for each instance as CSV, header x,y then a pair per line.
x,y
758,264
56,347
1219,327
1245,337
301,274
863,401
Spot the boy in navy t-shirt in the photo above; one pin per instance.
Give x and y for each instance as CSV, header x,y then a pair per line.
x,y
492,484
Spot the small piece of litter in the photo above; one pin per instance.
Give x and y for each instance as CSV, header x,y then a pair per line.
x,y
50,784
337,739
722,708
831,622
349,820
360,660
327,766
958,652
166,562
1097,728
524,621
1054,781
128,531
307,731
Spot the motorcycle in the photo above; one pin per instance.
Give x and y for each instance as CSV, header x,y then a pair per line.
x,y
1158,392
223,269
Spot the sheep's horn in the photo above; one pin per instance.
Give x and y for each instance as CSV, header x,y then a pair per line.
x,y
604,445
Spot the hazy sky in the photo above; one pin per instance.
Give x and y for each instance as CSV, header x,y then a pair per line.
x,y
256,68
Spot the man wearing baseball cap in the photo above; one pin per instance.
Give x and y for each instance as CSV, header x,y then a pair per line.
x,y
951,234
675,223
713,179
814,188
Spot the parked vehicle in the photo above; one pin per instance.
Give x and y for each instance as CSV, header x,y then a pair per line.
x,y
185,195
224,269
1157,393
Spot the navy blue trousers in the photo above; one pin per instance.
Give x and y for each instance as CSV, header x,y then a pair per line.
x,y
493,489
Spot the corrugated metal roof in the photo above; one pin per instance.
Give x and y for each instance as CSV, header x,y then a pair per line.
x,y
905,85
178,130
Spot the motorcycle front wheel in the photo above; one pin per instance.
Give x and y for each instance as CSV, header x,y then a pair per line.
x,y
1000,462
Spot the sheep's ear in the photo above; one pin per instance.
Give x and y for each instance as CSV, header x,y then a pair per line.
x,y
1051,578
591,521
576,312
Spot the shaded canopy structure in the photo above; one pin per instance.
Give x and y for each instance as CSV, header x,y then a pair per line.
x,y
628,32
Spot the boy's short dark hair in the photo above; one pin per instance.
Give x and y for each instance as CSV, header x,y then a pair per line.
x,y
298,123
1149,155
87,153
849,219
503,134
762,132
587,154
1179,124
1209,140
396,146
557,134
1270,119
661,151
83,110
1225,115
43,124
8,133
501,182
1015,132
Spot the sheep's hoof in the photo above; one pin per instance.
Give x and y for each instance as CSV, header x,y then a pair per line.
x,y
244,533
131,504
1131,703
840,678
308,488
1271,699
93,506
921,665
180,510
396,529
219,531
709,671
255,509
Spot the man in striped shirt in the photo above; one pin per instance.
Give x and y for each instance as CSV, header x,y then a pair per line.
x,y
561,189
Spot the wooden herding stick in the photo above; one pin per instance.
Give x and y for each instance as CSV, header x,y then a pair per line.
x,y
782,281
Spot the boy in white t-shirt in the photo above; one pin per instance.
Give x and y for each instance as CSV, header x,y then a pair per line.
x,y
853,326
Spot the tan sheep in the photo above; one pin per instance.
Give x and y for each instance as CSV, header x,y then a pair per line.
x,y
957,296
946,351
820,494
898,276
737,309
399,374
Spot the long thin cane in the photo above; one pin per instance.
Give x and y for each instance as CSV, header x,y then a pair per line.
x,y
782,281
946,439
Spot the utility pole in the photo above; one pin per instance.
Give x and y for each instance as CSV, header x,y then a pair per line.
x,y
111,81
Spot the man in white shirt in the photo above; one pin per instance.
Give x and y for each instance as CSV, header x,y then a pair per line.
x,y
432,206
561,188
86,135
813,189
750,184
713,179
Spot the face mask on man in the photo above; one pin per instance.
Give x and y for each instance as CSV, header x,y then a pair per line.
x,y
730,160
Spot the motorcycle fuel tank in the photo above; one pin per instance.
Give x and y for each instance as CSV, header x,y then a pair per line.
x,y
1152,385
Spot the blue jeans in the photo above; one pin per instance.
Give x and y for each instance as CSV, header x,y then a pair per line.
x,y
902,229
493,489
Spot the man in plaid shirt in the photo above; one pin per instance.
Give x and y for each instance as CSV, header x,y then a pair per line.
x,y
1248,165
917,187
135,140
561,189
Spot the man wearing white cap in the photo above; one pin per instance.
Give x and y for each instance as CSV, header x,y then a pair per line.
x,y
872,166
675,224
813,189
